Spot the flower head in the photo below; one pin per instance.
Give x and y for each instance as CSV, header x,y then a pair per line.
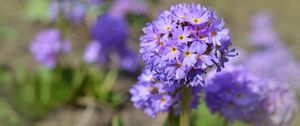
x,y
156,97
277,108
233,93
110,36
237,94
262,33
47,45
184,42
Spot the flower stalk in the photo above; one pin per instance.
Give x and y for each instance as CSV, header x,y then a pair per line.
x,y
185,105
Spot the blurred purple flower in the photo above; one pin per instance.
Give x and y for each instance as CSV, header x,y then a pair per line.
x,y
273,54
72,10
122,7
262,31
94,2
239,95
47,45
93,52
109,36
277,108
265,63
234,93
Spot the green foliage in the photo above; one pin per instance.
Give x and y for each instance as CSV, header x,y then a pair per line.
x,y
38,91
203,117
8,116
36,10
136,21
8,33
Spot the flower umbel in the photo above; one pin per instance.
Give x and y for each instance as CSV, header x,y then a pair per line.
x,y
110,36
233,93
156,97
238,95
184,42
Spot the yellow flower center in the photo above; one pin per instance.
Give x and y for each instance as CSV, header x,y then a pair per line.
x,y
151,78
173,49
181,37
187,53
182,16
156,37
155,90
196,20
168,28
163,100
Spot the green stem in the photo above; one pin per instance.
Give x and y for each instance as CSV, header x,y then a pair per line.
x,y
185,106
225,122
108,83
171,119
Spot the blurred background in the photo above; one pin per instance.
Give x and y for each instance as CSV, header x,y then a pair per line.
x,y
84,78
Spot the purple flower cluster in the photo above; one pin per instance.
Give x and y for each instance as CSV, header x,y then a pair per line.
x,y
234,93
155,97
47,45
184,42
263,63
72,10
109,35
277,108
265,59
262,31
238,95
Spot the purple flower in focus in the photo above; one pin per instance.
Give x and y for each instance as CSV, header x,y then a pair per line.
x,y
184,42
110,36
181,35
198,16
189,55
47,45
150,95
156,97
165,25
